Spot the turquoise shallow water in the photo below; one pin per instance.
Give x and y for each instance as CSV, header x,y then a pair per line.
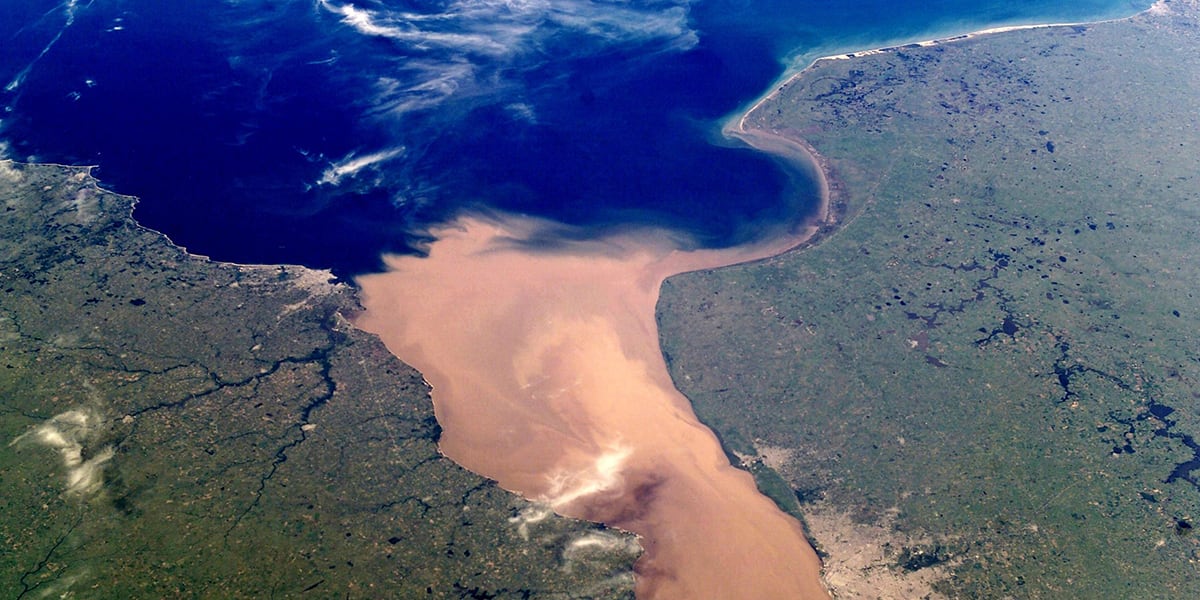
x,y
326,132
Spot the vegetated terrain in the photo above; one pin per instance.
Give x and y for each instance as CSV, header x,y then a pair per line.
x,y
991,365
175,427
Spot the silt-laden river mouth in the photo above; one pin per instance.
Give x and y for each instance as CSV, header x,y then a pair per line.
x,y
548,377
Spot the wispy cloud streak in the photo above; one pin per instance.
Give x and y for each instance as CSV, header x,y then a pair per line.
x,y
352,164
69,8
475,48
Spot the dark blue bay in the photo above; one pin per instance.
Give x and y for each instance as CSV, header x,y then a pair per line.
x,y
324,133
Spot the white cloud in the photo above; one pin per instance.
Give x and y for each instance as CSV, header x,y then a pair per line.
x,y
351,164
68,433
604,474
467,48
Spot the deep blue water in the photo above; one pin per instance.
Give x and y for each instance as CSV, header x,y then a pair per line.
x,y
326,132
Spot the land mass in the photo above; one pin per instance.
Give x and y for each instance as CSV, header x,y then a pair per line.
x,y
175,427
981,385
978,385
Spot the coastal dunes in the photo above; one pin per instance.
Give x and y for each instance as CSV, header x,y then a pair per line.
x,y
548,377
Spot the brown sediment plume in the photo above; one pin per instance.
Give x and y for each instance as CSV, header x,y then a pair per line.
x,y
548,377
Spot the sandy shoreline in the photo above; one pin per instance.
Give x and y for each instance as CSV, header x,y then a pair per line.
x,y
804,157
1159,7
833,206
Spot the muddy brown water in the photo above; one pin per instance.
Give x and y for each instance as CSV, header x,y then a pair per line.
x,y
547,377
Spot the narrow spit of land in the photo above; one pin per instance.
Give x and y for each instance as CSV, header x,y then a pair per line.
x,y
548,377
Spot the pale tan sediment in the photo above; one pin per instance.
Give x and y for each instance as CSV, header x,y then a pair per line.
x,y
548,378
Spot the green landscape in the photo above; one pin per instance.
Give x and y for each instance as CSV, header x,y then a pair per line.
x,y
980,380
179,428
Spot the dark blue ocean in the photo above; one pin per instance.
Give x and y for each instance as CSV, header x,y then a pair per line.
x,y
324,132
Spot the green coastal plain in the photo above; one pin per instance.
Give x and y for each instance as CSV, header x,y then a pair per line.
x,y
178,428
981,379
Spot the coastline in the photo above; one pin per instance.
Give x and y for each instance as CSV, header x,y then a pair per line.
x,y
834,207
739,127
87,283
791,75
311,277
